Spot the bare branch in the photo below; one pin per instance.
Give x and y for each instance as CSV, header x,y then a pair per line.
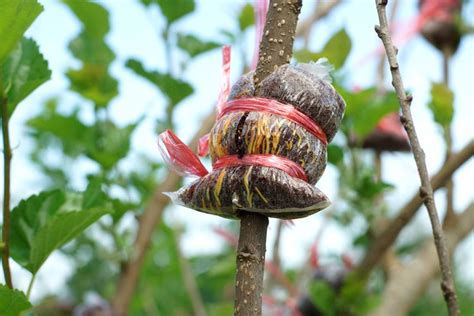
x,y
276,46
322,9
386,238
150,218
189,280
409,281
426,190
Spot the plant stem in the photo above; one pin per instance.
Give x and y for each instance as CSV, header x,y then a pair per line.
x,y
275,50
449,140
426,191
30,286
250,264
7,157
389,234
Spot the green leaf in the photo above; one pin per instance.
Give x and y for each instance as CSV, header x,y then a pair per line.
x,y
103,142
23,71
162,266
94,196
93,80
172,10
323,297
95,83
174,89
368,187
442,104
246,17
366,108
91,49
111,144
93,16
17,16
42,224
335,154
74,136
335,50
12,302
26,220
61,229
195,46
219,309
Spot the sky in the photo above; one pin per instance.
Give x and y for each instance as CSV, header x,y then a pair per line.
x,y
134,35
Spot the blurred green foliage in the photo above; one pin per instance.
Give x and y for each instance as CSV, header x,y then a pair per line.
x,y
115,196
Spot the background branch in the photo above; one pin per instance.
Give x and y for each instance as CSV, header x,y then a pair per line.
x,y
150,218
189,279
386,238
426,190
321,10
407,282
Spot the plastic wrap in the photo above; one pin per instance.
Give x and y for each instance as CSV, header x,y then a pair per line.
x,y
264,190
264,133
305,90
266,152
178,156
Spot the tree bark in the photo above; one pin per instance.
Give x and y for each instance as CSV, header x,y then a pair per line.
x,y
426,191
275,50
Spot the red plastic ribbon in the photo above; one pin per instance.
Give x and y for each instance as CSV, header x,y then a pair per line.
x,y
284,110
225,89
265,160
178,156
261,8
184,162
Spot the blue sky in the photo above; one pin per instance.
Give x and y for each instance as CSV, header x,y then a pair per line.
x,y
134,34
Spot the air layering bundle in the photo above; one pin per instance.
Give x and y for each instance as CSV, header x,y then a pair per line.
x,y
267,150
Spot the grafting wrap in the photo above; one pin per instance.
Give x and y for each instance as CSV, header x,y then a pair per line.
x,y
266,151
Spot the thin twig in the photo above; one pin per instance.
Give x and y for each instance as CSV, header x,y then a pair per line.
x,y
189,280
7,158
408,281
270,281
386,238
449,140
150,218
426,190
321,10
276,245
275,50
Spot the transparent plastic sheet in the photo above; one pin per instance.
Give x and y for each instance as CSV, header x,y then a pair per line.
x,y
266,152
305,90
265,190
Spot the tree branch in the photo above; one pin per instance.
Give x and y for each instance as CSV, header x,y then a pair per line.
x,y
189,280
449,140
276,46
386,238
7,158
409,281
426,190
150,218
275,50
305,27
